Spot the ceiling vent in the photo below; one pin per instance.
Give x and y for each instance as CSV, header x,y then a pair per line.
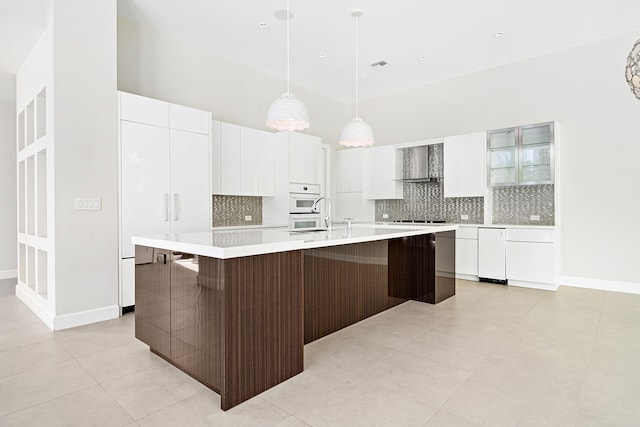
x,y
379,64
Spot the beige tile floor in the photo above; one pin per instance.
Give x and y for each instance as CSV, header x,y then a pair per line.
x,y
490,356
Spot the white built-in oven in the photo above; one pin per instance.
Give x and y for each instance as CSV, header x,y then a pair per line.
x,y
302,197
305,220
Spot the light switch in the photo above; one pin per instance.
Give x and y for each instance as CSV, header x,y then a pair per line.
x,y
247,217
463,216
534,217
385,216
88,203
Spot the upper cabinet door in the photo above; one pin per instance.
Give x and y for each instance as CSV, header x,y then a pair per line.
x,y
383,169
136,108
350,170
304,151
189,119
249,156
190,199
216,161
230,155
464,165
266,164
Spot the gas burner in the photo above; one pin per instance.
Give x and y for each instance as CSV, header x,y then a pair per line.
x,y
421,221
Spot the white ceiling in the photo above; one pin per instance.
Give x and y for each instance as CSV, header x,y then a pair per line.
x,y
455,36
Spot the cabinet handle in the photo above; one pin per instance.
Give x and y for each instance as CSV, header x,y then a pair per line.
x,y
161,258
166,207
175,206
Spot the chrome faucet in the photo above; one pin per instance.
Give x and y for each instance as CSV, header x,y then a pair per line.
x,y
327,216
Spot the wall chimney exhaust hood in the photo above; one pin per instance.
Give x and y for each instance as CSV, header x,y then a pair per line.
x,y
416,165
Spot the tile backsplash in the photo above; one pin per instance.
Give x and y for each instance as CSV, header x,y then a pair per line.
x,y
231,210
516,204
425,200
511,205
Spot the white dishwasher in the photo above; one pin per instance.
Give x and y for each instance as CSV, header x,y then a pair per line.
x,y
492,255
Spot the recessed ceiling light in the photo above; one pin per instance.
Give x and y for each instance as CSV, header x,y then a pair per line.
x,y
498,34
263,25
322,55
363,76
423,58
283,15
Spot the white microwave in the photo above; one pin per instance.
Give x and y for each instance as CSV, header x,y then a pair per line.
x,y
302,197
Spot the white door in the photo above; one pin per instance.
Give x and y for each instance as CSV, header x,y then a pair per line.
x,y
230,159
190,193
145,182
249,172
491,253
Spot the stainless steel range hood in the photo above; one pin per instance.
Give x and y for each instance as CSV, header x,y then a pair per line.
x,y
416,168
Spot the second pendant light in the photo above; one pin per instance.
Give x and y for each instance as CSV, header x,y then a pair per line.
x,y
357,133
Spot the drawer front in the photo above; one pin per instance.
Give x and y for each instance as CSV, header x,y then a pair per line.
x,y
530,262
467,233
530,235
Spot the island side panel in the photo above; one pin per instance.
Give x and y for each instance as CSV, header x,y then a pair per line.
x,y
153,303
263,309
345,284
445,262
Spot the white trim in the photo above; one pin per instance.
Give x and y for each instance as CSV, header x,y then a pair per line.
x,y
71,320
604,285
8,274
35,303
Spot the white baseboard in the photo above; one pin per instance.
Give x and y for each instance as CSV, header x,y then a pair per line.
x,y
64,321
8,274
603,285
71,320
534,285
35,303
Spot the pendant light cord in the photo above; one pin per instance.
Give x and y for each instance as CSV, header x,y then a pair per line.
x,y
288,47
357,81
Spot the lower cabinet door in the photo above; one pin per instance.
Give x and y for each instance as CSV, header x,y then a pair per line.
x,y
467,257
491,253
530,262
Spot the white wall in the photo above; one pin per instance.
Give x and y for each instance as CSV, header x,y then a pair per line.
x,y
86,154
584,89
155,65
8,200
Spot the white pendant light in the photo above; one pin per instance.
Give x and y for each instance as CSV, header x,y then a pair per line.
x,y
632,71
288,112
357,133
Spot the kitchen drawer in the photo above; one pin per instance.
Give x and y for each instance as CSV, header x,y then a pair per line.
x,y
530,235
467,233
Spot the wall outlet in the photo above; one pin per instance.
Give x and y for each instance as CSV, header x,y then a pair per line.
x,y
247,217
385,216
463,216
88,203
534,217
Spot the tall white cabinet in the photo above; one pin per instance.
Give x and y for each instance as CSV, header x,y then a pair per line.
x,y
164,175
351,201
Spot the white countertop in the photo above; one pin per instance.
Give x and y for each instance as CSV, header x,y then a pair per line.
x,y
237,243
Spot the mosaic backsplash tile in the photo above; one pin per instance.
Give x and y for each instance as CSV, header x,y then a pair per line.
x,y
230,211
425,200
516,204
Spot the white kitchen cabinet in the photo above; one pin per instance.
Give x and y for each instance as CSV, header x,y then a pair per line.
x,y
304,151
383,166
266,164
145,192
530,258
350,168
242,160
164,175
249,173
464,165
140,109
467,253
492,253
189,119
189,182
230,159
